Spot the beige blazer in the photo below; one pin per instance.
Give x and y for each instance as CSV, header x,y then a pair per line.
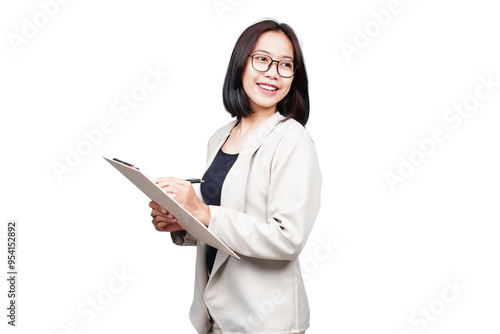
x,y
269,202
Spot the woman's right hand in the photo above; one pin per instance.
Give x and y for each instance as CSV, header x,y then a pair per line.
x,y
162,219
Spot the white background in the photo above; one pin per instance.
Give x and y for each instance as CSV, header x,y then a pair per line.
x,y
394,250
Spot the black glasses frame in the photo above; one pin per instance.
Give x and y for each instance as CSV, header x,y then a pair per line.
x,y
295,66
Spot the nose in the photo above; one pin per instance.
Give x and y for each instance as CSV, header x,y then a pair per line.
x,y
272,72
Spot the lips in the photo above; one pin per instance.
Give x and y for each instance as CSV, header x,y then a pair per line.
x,y
268,87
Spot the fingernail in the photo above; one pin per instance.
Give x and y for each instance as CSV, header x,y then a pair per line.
x,y
163,211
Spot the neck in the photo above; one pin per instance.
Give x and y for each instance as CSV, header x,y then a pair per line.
x,y
251,122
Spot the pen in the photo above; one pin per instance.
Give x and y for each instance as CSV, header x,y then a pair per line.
x,y
195,180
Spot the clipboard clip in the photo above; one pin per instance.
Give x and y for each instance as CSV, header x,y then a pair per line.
x,y
125,163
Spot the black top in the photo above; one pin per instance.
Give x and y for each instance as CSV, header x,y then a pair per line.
x,y
211,190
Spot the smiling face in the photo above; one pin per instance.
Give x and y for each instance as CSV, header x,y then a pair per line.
x,y
266,89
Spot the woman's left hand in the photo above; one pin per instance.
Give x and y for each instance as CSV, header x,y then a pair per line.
x,y
182,192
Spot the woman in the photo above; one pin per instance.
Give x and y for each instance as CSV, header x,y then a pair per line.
x,y
261,193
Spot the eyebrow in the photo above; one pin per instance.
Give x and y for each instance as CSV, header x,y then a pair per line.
x,y
267,52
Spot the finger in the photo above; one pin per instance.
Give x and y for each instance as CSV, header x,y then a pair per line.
x,y
177,181
170,185
157,207
161,227
163,213
154,205
172,189
173,181
169,227
176,197
163,181
164,227
163,219
177,194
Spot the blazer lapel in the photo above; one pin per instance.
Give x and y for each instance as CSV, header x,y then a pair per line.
x,y
220,141
234,187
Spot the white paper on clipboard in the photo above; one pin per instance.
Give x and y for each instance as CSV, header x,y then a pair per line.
x,y
190,223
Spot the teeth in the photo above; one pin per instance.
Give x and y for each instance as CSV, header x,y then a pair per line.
x,y
268,87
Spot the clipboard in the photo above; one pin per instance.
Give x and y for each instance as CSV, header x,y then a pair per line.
x,y
189,222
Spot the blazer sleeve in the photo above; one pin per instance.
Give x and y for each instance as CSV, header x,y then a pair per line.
x,y
292,205
182,238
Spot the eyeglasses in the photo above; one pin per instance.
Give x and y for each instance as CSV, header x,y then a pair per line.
x,y
262,63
